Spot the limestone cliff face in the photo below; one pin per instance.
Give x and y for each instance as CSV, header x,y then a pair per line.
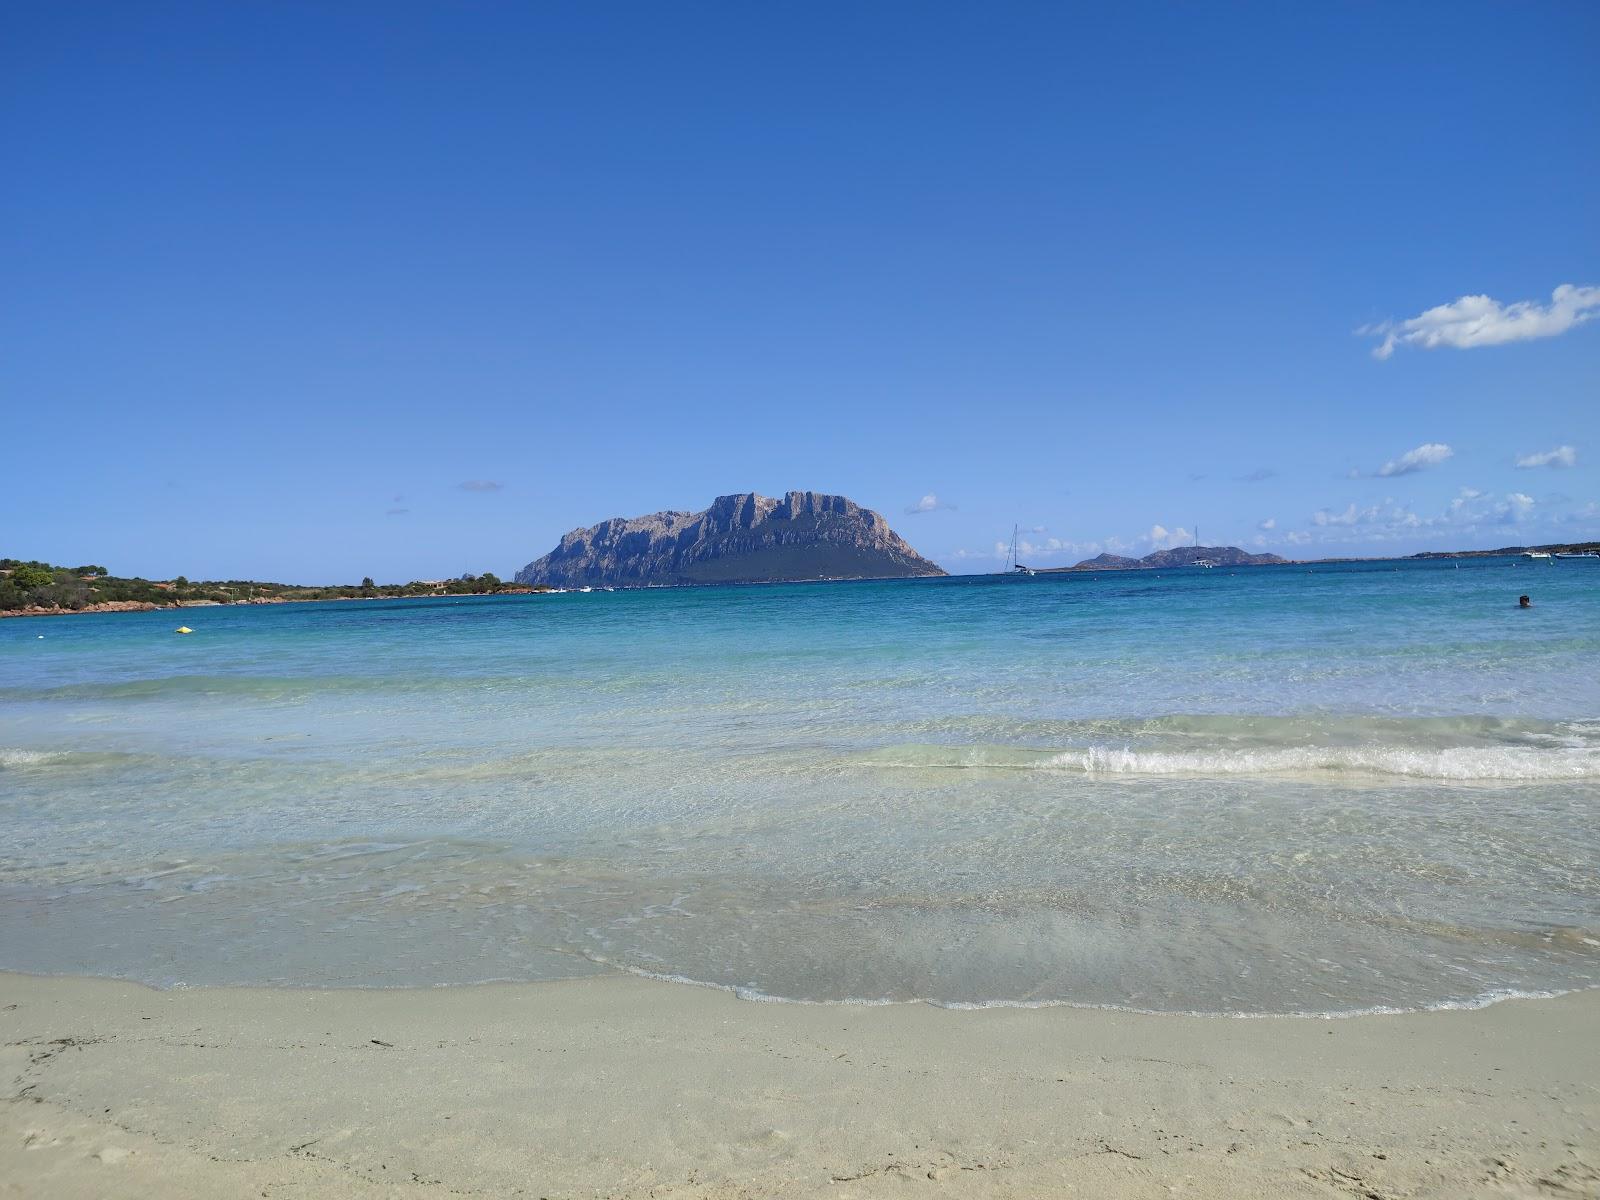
x,y
743,538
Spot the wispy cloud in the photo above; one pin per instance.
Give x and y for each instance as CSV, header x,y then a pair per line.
x,y
1259,475
1517,505
1050,547
1561,456
929,503
1349,516
1029,550
1429,454
1470,510
480,485
1269,524
1472,321
1589,512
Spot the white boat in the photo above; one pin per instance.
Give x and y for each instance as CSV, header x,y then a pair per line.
x,y
1577,554
1013,567
1535,554
586,589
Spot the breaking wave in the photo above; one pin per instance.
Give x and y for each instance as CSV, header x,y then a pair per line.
x,y
1416,760
29,758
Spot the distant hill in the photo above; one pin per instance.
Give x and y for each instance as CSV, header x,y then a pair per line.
x,y
1223,556
1548,548
1182,556
743,538
1103,562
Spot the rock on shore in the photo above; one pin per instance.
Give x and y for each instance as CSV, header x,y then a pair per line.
x,y
37,610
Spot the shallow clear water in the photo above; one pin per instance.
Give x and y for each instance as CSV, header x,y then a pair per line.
x,y
1259,791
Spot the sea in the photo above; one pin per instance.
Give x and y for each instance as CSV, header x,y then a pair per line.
x,y
1325,789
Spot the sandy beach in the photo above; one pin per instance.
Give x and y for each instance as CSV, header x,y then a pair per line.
x,y
631,1088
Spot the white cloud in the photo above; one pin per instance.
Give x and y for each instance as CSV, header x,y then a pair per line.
x,y
1429,454
929,503
1026,550
1297,537
1269,524
1515,507
1161,538
1472,321
1561,456
1050,547
1350,516
1470,511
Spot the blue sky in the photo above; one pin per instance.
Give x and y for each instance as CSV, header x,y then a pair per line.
x,y
312,292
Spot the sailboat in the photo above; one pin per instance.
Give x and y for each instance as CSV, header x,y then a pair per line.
x,y
1013,567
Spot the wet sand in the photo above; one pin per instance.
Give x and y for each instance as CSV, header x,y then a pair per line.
x,y
625,1087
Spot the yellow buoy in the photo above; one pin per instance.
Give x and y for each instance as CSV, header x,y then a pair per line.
x,y
183,629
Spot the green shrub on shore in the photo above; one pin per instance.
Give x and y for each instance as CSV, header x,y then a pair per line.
x,y
36,584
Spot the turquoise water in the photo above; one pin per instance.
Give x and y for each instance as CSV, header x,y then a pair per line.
x,y
1266,790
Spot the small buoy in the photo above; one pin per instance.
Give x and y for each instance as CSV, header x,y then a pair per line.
x,y
183,629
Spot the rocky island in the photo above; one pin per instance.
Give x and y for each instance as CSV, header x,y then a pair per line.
x,y
1180,556
743,538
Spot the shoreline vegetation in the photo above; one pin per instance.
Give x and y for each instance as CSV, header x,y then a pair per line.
x,y
38,589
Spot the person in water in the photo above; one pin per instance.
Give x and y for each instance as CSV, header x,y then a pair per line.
x,y
1524,602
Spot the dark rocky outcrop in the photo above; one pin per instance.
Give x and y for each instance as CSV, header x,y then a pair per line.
x,y
744,538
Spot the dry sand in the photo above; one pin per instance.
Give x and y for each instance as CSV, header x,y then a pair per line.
x,y
625,1087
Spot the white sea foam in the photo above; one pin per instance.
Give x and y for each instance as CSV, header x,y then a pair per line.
x,y
29,758
1455,763
755,995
